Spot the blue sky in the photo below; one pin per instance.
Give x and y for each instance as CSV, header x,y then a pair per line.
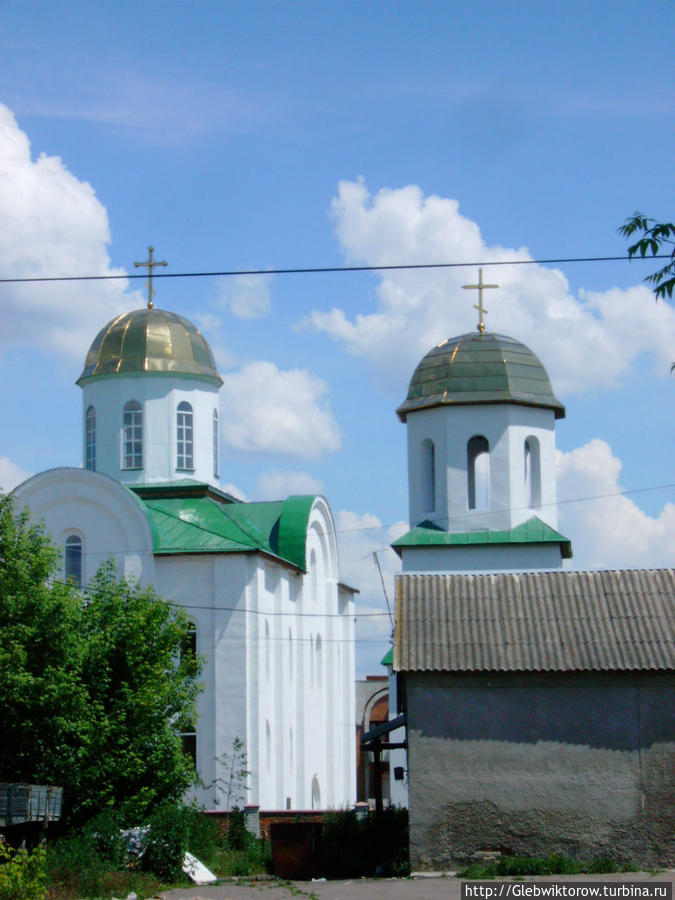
x,y
281,134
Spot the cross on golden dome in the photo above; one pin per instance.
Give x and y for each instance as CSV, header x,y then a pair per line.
x,y
150,263
480,287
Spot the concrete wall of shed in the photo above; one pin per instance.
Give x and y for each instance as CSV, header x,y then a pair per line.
x,y
530,764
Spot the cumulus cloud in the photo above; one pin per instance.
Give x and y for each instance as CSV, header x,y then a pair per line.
x,y
611,531
10,474
246,296
52,224
360,535
267,410
589,339
275,484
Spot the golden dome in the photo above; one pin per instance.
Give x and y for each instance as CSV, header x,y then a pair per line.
x,y
151,341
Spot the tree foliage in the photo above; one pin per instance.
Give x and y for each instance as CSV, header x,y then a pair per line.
x,y
92,683
653,238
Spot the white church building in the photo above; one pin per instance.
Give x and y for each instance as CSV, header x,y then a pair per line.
x,y
259,580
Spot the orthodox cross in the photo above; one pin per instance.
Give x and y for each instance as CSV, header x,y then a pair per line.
x,y
480,287
150,263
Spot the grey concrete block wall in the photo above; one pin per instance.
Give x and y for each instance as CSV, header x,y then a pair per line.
x,y
534,763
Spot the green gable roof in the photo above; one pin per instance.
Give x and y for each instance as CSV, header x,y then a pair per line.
x,y
194,518
388,658
534,531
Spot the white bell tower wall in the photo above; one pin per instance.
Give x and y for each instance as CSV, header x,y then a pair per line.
x,y
491,484
162,457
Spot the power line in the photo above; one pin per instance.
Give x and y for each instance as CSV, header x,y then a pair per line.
x,y
475,514
315,270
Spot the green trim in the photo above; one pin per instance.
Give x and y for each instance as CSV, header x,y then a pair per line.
x,y
86,379
191,517
293,528
534,531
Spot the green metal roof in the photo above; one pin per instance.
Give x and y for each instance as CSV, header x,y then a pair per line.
x,y
150,342
480,368
193,518
388,658
534,531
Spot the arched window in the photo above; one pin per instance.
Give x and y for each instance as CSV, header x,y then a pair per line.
x,y
90,439
73,562
428,485
316,793
184,439
532,473
478,472
215,443
133,435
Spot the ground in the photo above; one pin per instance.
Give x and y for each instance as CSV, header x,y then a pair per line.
x,y
419,888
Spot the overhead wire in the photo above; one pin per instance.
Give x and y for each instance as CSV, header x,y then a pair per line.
x,y
315,270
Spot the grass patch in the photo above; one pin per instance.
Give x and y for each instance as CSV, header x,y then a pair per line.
x,y
555,864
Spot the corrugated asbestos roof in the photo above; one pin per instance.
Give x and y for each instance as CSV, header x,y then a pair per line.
x,y
536,621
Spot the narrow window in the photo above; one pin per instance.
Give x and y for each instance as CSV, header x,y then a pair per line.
x,y
133,436
90,439
73,567
428,476
316,793
184,441
532,473
215,443
268,743
478,472
186,726
188,739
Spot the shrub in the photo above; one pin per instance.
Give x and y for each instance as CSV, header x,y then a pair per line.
x,y
23,874
167,841
376,845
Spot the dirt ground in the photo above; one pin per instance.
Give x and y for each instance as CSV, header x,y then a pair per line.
x,y
436,887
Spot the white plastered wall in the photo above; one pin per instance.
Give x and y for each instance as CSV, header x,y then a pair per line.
x,y
106,516
159,397
506,428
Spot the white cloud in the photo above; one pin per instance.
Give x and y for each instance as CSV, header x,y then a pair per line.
x,y
590,340
10,474
267,410
234,491
275,484
612,531
359,536
246,296
52,224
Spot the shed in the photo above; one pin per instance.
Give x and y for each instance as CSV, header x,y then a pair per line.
x,y
540,714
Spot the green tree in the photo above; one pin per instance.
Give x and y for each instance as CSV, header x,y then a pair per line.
x,y
92,683
653,238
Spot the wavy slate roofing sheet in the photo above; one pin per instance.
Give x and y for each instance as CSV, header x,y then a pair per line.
x,y
536,621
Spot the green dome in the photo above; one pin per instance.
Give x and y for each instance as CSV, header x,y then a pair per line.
x,y
480,368
152,342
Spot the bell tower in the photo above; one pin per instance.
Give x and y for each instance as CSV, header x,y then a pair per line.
x,y
480,415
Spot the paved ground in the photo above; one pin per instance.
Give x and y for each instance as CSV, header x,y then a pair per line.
x,y
422,888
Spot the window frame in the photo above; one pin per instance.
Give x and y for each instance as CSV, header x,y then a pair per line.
x,y
132,436
185,424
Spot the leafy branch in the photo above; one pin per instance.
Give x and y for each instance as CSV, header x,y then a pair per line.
x,y
653,236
